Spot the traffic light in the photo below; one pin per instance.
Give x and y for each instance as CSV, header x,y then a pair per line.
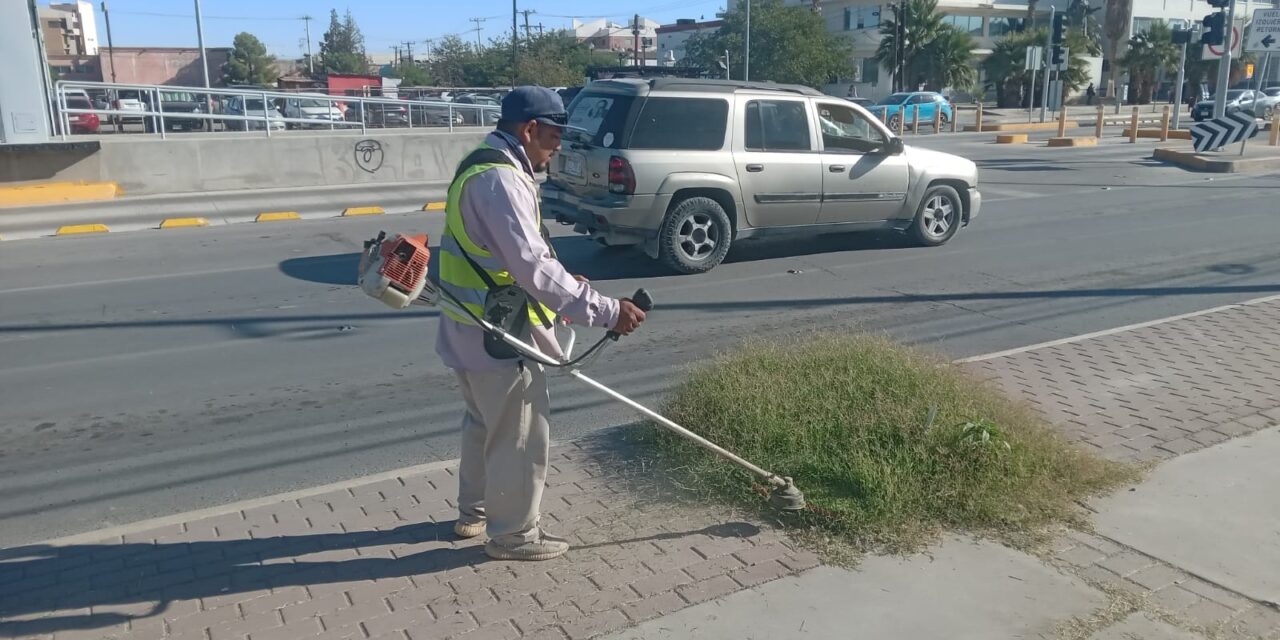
x,y
1059,27
1181,36
1219,4
1214,29
1057,57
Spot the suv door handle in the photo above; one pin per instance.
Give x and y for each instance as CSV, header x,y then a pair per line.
x,y
755,168
836,168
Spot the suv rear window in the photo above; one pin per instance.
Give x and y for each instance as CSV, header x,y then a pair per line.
x,y
602,116
690,124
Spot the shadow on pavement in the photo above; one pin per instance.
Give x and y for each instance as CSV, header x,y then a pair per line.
x,y
155,575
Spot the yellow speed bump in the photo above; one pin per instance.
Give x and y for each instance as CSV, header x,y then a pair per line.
x,y
1076,141
433,206
277,216
1011,138
73,229
175,223
363,211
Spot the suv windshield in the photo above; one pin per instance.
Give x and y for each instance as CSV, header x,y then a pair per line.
x,y
312,102
1235,94
178,96
599,118
896,98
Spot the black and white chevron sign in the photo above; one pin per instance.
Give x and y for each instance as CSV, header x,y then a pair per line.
x,y
1218,133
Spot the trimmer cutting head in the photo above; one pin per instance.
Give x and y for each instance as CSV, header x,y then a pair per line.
x,y
786,497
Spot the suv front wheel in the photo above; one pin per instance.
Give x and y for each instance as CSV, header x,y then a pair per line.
x,y
695,236
938,216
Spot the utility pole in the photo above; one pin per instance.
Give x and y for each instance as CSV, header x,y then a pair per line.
x,y
1224,64
1048,46
746,47
477,29
515,44
311,65
528,35
429,42
635,46
204,62
395,60
408,49
539,29
1185,37
111,49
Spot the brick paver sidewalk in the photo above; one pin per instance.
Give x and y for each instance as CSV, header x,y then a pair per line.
x,y
380,561
1152,393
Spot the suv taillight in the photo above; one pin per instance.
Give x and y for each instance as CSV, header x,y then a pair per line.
x,y
622,179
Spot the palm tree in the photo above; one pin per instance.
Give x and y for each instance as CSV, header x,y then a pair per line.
x,y
1149,52
1118,15
1012,80
935,53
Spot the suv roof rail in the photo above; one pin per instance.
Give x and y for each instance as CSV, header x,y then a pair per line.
x,y
727,86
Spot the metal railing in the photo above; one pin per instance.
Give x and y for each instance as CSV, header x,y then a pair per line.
x,y
211,109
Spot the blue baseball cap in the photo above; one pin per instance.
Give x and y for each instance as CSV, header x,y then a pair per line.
x,y
527,103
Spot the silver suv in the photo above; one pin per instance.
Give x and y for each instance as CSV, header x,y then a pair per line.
x,y
685,167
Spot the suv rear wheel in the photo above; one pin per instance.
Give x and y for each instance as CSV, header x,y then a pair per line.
x,y
695,236
938,216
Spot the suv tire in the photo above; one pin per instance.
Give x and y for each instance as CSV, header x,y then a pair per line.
x,y
695,236
938,216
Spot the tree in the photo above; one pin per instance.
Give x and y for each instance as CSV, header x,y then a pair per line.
x,y
411,75
934,53
249,62
1148,53
1118,13
342,46
1006,66
789,44
1080,15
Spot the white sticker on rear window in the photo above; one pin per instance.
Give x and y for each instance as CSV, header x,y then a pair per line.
x,y
589,115
608,139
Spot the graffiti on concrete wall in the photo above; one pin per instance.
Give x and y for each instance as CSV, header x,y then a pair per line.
x,y
369,155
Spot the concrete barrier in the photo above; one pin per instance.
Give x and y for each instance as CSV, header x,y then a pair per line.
x,y
1011,138
194,163
1074,141
1189,159
1175,134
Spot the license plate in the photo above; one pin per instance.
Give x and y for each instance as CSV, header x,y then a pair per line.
x,y
573,166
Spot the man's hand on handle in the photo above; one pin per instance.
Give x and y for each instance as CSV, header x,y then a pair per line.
x,y
629,317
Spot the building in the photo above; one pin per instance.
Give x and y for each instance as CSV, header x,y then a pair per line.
x,y
69,29
176,66
672,38
607,35
987,21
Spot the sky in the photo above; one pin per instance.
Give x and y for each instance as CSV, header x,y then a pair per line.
x,y
385,23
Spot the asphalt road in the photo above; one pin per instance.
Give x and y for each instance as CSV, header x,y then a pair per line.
x,y
151,372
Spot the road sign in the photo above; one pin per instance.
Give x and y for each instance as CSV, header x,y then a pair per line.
x,y
1035,56
1264,33
1212,52
1218,133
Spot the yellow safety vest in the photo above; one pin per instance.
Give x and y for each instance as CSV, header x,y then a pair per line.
x,y
456,275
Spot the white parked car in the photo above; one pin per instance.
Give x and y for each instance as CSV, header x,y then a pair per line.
x,y
311,106
1268,100
253,108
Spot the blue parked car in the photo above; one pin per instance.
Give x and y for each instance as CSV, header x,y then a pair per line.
x,y
899,105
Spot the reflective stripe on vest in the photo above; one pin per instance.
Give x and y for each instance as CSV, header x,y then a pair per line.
x,y
456,275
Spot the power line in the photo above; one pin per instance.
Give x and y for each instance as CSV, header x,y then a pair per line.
x,y
478,28
191,16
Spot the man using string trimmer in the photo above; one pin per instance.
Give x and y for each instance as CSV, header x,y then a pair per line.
x,y
496,259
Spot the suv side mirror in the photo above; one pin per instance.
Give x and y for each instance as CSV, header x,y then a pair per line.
x,y
894,146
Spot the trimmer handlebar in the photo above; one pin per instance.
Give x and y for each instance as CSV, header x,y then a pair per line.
x,y
641,299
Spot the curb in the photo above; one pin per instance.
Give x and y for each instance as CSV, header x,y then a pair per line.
x,y
1011,138
177,223
1198,162
55,192
277,216
362,211
75,229
433,206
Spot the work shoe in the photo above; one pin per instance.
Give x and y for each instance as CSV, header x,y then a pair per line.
x,y
471,529
546,547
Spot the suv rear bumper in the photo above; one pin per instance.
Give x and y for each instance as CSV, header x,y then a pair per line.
x,y
615,220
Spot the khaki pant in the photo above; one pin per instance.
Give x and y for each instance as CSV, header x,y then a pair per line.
x,y
505,442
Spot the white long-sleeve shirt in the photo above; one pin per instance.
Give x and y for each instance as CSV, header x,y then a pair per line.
x,y
500,213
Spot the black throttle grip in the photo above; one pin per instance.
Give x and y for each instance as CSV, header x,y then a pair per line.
x,y
642,300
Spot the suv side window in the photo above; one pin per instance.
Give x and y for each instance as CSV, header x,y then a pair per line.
x,y
916,99
688,124
777,125
846,129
